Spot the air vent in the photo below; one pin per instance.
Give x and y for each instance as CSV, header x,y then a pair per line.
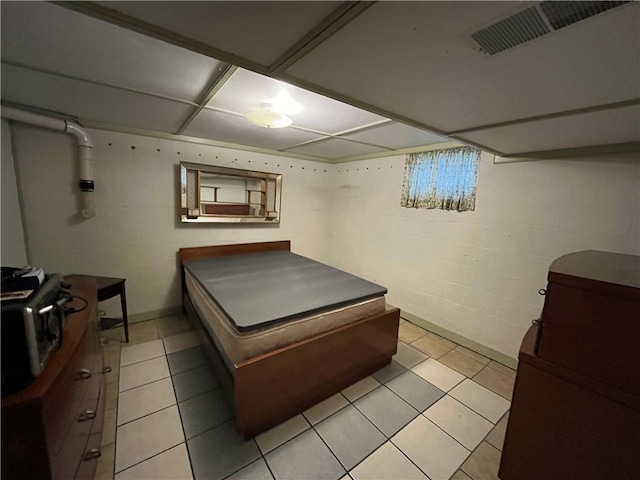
x,y
563,14
530,23
514,30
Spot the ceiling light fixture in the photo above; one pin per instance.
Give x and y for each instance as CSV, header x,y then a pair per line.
x,y
267,118
283,103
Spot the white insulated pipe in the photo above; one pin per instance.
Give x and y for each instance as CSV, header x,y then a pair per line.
x,y
85,147
86,179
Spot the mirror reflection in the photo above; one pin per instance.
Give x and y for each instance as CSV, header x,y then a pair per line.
x,y
219,194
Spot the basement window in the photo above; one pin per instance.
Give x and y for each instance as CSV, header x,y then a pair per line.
x,y
442,179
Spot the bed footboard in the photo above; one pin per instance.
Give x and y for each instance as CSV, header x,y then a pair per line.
x,y
278,385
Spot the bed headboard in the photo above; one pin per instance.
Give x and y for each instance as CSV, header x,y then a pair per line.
x,y
193,253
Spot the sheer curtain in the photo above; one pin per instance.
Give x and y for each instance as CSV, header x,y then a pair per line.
x,y
444,179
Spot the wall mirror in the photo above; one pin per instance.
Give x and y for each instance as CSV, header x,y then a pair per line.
x,y
228,195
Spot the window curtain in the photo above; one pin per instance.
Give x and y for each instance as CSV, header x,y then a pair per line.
x,y
444,179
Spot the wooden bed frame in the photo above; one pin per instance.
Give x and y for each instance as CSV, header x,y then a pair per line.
x,y
273,387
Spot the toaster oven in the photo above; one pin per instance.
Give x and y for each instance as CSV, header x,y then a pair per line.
x,y
31,329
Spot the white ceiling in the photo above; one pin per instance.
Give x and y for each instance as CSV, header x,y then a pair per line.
x,y
388,77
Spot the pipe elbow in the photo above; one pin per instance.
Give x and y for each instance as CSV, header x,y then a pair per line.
x,y
83,138
85,146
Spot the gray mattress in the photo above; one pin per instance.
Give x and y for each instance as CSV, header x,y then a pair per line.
x,y
257,290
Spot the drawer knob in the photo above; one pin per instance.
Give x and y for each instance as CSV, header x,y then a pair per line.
x,y
83,374
91,454
106,369
542,292
88,415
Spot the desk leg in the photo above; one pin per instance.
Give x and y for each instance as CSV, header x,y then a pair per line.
x,y
125,320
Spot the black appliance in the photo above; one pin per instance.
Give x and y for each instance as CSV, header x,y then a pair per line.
x,y
31,330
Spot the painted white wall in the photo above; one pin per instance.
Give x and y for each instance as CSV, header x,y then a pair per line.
x,y
136,232
13,252
474,273
478,273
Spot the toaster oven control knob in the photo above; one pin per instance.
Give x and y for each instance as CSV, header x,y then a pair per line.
x,y
83,374
106,369
88,415
91,454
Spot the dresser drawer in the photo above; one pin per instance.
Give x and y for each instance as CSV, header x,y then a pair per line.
x,y
65,462
559,430
89,461
594,334
62,403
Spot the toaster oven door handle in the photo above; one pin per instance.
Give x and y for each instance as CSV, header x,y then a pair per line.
x,y
45,310
58,304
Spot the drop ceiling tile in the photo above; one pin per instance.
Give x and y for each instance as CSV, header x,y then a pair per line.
x,y
90,101
232,129
596,128
246,91
396,135
426,67
258,31
53,38
335,148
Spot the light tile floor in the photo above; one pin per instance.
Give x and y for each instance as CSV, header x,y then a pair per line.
x,y
438,411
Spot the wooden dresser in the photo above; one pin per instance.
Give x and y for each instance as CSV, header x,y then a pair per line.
x,y
53,428
575,412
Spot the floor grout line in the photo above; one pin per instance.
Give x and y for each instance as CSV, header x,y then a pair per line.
x,y
141,385
473,410
408,458
388,439
117,387
142,361
288,440
267,464
313,427
145,415
148,458
447,433
437,426
175,394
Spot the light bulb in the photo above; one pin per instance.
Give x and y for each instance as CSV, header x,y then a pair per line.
x,y
283,103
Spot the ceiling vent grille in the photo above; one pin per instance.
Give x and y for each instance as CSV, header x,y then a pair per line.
x,y
563,14
514,30
536,21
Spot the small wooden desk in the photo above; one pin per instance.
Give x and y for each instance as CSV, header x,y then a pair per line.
x,y
107,288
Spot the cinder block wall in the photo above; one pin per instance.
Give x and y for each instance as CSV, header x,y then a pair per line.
x,y
478,273
12,245
136,232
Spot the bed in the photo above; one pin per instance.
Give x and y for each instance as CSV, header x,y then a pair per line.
x,y
343,339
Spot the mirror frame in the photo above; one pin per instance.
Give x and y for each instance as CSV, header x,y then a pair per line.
x,y
191,215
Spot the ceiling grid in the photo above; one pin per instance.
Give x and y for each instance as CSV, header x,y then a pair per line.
x,y
210,92
99,83
374,78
